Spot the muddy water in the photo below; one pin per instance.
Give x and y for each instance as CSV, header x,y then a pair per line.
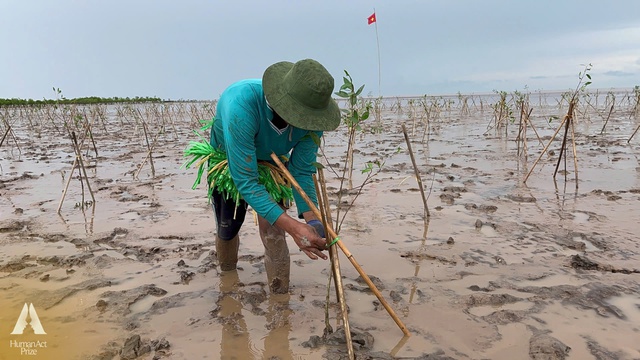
x,y
502,269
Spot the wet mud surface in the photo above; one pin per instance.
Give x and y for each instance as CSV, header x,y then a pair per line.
x,y
501,269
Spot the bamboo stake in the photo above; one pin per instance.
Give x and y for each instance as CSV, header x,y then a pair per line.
x,y
563,147
533,127
545,149
4,136
344,249
525,152
90,133
521,130
84,171
149,153
634,133
66,187
73,168
563,150
606,121
323,203
13,135
415,169
575,151
146,138
336,260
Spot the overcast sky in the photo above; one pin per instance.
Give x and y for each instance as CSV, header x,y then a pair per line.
x,y
192,49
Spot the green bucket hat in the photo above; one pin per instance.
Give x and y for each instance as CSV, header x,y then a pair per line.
x,y
301,94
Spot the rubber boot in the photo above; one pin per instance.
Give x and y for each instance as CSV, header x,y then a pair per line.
x,y
227,252
276,257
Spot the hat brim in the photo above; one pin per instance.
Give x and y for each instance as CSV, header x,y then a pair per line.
x,y
289,109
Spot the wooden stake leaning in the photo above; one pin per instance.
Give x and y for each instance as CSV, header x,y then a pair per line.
x,y
415,168
4,136
150,148
563,148
344,249
10,132
634,134
606,121
77,163
84,170
323,203
565,119
66,186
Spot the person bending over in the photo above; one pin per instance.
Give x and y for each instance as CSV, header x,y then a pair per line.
x,y
257,117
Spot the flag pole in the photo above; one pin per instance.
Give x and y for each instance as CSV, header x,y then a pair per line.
x,y
378,46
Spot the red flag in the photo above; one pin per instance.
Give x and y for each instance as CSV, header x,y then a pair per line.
x,y
371,19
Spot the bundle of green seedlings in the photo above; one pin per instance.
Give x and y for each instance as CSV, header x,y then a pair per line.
x,y
214,161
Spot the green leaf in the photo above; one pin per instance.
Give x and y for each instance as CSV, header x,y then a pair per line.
x,y
587,83
342,94
359,90
317,165
315,138
588,76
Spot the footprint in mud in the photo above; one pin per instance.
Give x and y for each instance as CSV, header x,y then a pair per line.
x,y
543,346
122,194
120,302
600,352
487,209
522,198
417,256
14,226
450,193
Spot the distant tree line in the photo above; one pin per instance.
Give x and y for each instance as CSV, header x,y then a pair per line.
x,y
81,100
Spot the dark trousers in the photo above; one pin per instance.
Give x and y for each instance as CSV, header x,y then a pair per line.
x,y
229,217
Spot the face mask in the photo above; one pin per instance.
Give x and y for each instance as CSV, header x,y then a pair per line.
x,y
277,120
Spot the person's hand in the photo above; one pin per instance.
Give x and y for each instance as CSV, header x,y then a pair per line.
x,y
316,224
309,241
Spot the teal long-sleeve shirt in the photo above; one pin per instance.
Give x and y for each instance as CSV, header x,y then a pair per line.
x,y
243,130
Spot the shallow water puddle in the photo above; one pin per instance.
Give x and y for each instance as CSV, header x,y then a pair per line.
x,y
554,280
577,328
588,244
70,333
630,306
509,346
488,310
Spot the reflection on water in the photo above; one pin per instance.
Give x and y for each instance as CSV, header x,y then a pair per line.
x,y
236,342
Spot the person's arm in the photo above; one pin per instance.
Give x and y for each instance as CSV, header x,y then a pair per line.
x,y
304,236
240,127
239,132
301,167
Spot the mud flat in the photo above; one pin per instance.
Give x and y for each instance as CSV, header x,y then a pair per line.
x,y
502,270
